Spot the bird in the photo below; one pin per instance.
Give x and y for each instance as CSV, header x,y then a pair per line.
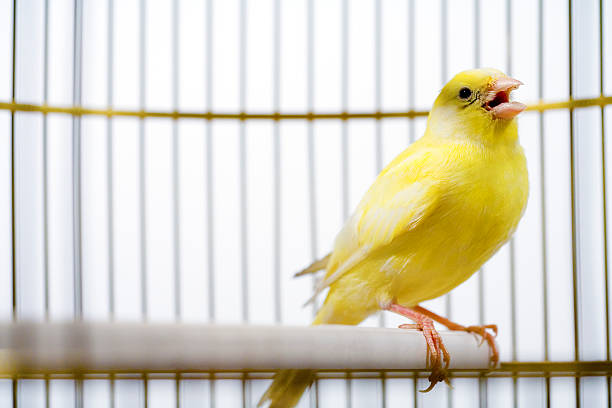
x,y
432,217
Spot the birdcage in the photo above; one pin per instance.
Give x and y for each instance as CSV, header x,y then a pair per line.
x,y
170,164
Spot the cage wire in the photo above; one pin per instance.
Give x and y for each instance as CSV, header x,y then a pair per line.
x,y
178,161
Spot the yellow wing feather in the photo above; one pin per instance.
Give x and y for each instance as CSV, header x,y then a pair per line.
x,y
402,196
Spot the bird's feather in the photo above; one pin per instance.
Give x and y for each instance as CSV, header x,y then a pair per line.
x,y
314,267
397,202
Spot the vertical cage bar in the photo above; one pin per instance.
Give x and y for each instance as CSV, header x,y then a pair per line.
x,y
142,186
110,180
242,154
76,161
378,136
109,166
415,390
483,382
277,163
311,150
209,184
242,159
76,180
444,76
574,204
14,382
344,102
511,245
243,390
177,391
344,156
378,82
477,64
411,124
209,167
314,390
604,191
45,181
176,186
145,390
15,390
242,193
142,170
13,174
444,40
411,76
543,191
483,391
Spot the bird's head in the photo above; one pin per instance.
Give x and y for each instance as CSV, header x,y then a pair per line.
x,y
476,103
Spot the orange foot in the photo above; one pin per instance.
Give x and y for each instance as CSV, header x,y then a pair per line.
x,y
482,331
488,337
436,352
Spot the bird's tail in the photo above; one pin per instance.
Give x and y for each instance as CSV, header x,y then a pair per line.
x,y
287,388
315,266
289,385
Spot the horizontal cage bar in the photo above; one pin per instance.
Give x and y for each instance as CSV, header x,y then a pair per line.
x,y
540,106
506,370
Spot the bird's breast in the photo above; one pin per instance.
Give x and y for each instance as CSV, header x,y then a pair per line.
x,y
479,211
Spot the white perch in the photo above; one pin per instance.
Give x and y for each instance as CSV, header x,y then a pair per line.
x,y
125,347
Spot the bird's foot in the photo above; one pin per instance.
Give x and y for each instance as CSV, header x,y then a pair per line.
x,y
485,333
437,358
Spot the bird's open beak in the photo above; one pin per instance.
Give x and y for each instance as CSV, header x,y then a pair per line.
x,y
497,98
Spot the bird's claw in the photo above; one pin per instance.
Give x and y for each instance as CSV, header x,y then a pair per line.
x,y
482,329
437,375
485,335
436,352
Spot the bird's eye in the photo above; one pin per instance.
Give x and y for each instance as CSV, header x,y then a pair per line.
x,y
465,93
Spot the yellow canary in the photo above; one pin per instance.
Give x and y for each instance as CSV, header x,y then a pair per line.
x,y
430,220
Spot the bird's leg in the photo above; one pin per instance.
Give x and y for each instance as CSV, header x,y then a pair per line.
x,y
480,330
436,352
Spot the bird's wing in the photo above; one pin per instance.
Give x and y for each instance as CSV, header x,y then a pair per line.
x,y
404,195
